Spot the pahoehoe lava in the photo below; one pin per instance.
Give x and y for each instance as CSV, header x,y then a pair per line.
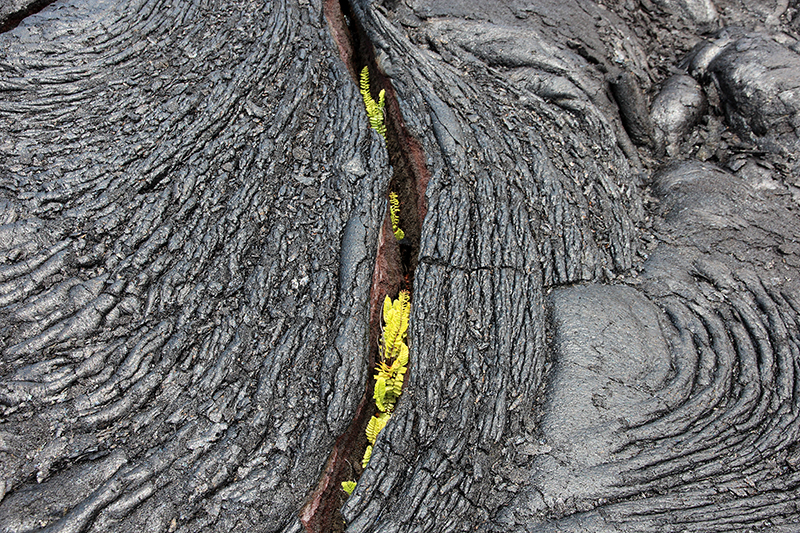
x,y
605,332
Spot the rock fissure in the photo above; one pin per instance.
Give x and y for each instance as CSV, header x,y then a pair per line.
x,y
395,261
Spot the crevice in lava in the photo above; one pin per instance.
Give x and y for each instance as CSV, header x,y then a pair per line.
x,y
395,262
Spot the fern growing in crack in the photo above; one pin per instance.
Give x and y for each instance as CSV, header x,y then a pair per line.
x,y
392,365
389,372
394,214
393,351
375,110
348,486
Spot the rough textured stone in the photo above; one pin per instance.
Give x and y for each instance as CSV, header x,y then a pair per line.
x,y
675,111
758,84
187,247
699,11
191,213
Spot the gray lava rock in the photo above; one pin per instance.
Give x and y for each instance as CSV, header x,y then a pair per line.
x,y
700,11
653,384
190,207
700,57
675,110
632,107
11,11
186,259
758,83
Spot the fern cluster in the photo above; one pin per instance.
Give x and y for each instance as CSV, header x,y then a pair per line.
x,y
394,214
392,363
375,110
390,370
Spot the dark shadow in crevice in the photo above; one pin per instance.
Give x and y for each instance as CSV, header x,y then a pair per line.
x,y
11,20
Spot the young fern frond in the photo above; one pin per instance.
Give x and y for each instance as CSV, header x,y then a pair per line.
x,y
375,110
395,317
380,393
394,214
367,456
387,307
375,425
390,370
349,486
401,360
396,386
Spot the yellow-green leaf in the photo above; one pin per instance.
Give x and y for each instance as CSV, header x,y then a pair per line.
x,y
367,456
383,371
375,425
402,358
349,486
374,109
387,307
397,384
380,393
394,215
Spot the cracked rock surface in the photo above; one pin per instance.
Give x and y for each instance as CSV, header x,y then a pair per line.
x,y
187,252
605,335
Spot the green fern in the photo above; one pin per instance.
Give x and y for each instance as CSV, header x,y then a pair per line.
x,y
367,456
375,425
392,367
375,110
395,318
394,214
389,372
380,393
393,363
348,487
